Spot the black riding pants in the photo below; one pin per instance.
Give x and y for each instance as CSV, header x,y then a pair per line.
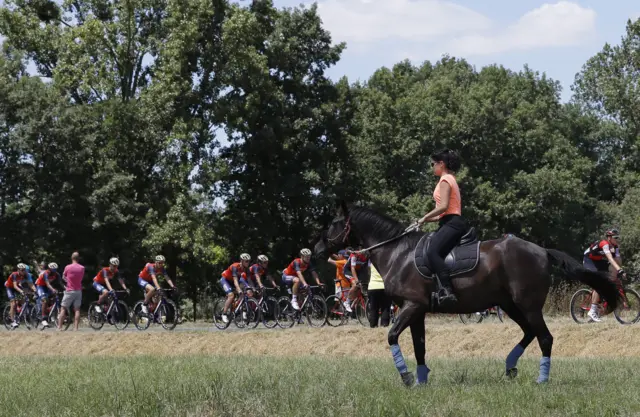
x,y
379,302
452,228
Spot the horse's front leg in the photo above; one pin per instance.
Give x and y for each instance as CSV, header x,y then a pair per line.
x,y
408,315
418,336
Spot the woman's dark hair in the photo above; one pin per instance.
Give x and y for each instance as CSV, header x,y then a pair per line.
x,y
450,158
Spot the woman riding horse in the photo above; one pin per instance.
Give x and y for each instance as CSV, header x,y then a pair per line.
x,y
448,213
511,273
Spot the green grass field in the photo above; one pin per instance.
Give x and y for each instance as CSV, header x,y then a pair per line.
x,y
260,386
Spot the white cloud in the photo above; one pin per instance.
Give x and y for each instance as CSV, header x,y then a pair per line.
x,y
367,21
550,25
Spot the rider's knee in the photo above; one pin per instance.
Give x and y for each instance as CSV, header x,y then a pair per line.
x,y
296,280
230,296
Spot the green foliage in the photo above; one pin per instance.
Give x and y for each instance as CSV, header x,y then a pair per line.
x,y
206,128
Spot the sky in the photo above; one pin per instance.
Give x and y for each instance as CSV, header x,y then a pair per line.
x,y
555,38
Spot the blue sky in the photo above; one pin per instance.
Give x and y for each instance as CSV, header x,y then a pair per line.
x,y
552,37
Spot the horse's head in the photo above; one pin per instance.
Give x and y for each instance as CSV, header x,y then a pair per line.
x,y
339,234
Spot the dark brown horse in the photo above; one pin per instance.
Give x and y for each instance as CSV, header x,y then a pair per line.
x,y
511,273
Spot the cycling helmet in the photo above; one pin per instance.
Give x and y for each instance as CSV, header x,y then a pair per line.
x,y
613,232
21,267
53,266
245,257
159,258
305,252
263,258
116,261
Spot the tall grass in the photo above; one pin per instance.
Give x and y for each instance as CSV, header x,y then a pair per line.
x,y
265,386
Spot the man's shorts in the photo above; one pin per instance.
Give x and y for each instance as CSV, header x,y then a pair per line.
x,y
72,298
226,286
43,292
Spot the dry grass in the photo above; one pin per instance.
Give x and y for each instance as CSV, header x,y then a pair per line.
x,y
445,338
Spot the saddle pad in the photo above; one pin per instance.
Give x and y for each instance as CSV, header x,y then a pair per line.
x,y
460,260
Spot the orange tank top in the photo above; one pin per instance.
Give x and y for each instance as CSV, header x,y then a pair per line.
x,y
455,206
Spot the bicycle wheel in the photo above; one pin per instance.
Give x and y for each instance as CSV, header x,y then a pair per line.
x,y
269,312
25,317
249,314
218,308
287,316
7,317
168,316
359,308
580,305
120,315
629,311
53,317
316,311
336,313
471,318
96,319
36,318
499,314
141,320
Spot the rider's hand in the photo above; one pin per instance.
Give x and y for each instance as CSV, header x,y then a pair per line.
x,y
621,273
128,290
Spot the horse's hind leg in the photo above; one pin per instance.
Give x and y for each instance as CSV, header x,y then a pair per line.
x,y
545,340
406,317
516,315
417,334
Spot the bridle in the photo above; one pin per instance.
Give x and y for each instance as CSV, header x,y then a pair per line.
x,y
347,230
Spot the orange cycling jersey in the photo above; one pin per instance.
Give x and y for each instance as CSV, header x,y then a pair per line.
x,y
150,269
297,266
105,272
46,276
236,269
343,281
14,277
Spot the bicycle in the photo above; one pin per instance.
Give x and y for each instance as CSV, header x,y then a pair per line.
x,y
627,312
22,313
359,305
268,308
244,312
337,313
161,309
115,312
53,310
478,317
313,307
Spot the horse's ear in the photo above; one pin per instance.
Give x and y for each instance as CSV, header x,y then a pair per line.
x,y
345,209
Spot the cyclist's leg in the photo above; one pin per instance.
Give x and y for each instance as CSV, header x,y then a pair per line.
x,y
228,290
148,290
102,291
292,282
595,298
43,295
12,303
246,283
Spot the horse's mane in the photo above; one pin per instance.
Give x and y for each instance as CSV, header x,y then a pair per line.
x,y
383,225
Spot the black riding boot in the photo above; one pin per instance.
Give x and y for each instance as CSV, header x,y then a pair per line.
x,y
445,292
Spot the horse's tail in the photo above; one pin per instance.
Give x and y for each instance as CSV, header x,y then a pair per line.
x,y
596,280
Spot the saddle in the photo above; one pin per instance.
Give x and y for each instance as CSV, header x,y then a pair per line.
x,y
463,258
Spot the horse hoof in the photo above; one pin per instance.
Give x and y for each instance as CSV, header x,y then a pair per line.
x,y
512,373
408,379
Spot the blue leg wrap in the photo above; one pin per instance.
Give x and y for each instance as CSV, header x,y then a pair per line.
x,y
513,356
423,374
545,366
401,366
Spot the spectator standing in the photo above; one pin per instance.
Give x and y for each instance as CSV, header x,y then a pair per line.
x,y
73,275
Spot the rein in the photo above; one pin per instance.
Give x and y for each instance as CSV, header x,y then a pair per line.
x,y
412,228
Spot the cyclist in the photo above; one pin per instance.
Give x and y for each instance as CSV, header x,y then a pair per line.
x,y
231,278
339,260
14,283
597,257
148,280
259,270
356,262
293,275
44,288
103,279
